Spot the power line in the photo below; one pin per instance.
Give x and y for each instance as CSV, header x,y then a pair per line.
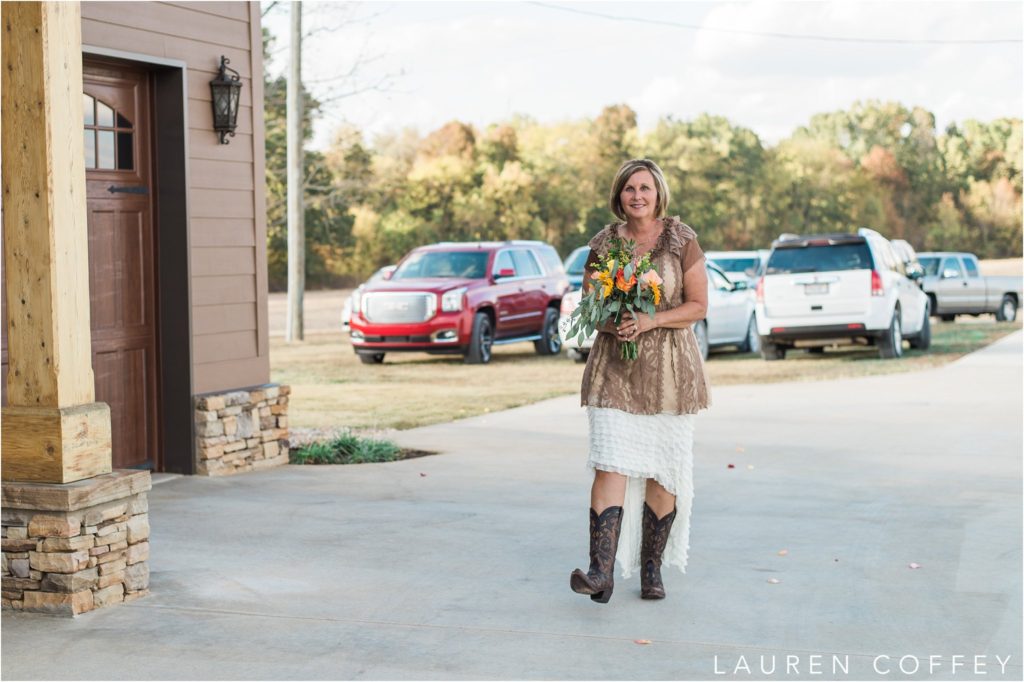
x,y
772,34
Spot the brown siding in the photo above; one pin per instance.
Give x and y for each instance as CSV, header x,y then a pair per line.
x,y
223,290
227,222
221,232
225,318
217,174
229,260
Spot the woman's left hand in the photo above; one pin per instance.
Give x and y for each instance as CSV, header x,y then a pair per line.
x,y
633,325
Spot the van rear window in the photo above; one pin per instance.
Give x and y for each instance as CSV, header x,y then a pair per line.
x,y
822,258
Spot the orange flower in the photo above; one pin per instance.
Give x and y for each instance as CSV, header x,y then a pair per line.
x,y
622,284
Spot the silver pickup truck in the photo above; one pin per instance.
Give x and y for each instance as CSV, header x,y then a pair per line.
x,y
955,285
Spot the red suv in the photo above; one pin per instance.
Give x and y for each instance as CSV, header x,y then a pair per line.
x,y
463,298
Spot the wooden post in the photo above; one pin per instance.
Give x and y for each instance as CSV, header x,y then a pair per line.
x,y
295,325
53,430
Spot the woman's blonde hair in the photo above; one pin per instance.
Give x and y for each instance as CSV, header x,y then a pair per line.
x,y
624,173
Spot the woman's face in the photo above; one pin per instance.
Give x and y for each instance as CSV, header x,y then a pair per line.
x,y
639,197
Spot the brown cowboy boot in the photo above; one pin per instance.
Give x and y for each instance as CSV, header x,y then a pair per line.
x,y
652,547
604,541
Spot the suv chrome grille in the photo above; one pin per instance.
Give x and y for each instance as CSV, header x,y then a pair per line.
x,y
391,308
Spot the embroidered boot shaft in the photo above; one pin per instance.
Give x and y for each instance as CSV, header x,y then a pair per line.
x,y
598,582
652,548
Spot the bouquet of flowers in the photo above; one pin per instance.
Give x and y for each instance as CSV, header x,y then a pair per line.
x,y
622,283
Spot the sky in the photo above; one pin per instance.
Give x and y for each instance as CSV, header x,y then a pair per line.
x,y
422,64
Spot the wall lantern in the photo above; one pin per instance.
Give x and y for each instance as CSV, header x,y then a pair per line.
x,y
225,89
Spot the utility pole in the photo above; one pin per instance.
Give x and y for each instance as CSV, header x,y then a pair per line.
x,y
294,328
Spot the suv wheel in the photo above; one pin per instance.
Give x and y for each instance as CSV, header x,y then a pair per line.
x,y
1007,309
752,343
772,351
480,342
371,358
947,318
890,344
550,343
924,338
700,330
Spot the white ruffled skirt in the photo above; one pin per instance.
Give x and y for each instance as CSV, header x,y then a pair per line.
x,y
642,446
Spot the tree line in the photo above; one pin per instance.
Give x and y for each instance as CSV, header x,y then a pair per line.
x,y
878,164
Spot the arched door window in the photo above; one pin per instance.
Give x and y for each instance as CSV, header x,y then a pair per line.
x,y
109,137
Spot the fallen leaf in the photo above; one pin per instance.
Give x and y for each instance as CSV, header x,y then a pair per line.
x,y
783,552
422,474
732,466
773,581
750,466
740,449
913,565
641,641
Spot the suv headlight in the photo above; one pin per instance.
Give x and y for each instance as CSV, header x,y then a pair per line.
x,y
451,301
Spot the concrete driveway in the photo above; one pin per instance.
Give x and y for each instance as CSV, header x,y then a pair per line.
x,y
457,566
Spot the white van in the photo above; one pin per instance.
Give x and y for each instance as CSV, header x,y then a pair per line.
x,y
819,290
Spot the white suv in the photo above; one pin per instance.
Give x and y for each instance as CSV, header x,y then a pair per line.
x,y
739,266
839,288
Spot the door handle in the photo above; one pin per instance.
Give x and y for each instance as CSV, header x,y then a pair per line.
x,y
138,189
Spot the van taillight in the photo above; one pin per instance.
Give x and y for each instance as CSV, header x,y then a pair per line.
x,y
876,284
760,289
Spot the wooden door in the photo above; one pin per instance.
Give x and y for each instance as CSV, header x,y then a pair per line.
x,y
122,262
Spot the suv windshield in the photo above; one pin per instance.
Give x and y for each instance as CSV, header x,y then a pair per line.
x,y
930,265
578,262
736,264
824,258
471,264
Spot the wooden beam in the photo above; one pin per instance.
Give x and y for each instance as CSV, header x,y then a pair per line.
x,y
46,243
56,445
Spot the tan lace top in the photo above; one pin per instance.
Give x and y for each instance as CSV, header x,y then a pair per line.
x,y
668,377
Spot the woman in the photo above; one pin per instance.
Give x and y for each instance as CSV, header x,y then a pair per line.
x,y
641,412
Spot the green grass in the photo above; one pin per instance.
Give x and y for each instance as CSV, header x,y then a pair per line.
x,y
332,389
346,449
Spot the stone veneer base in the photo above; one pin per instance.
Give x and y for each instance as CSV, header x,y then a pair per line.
x,y
242,430
69,548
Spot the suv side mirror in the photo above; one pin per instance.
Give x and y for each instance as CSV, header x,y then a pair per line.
x,y
505,272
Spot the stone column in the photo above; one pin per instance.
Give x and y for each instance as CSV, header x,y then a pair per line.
x,y
75,533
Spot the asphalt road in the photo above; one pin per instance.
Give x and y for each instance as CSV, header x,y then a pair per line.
x,y
457,566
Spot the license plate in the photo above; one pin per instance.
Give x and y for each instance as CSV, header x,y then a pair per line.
x,y
815,289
